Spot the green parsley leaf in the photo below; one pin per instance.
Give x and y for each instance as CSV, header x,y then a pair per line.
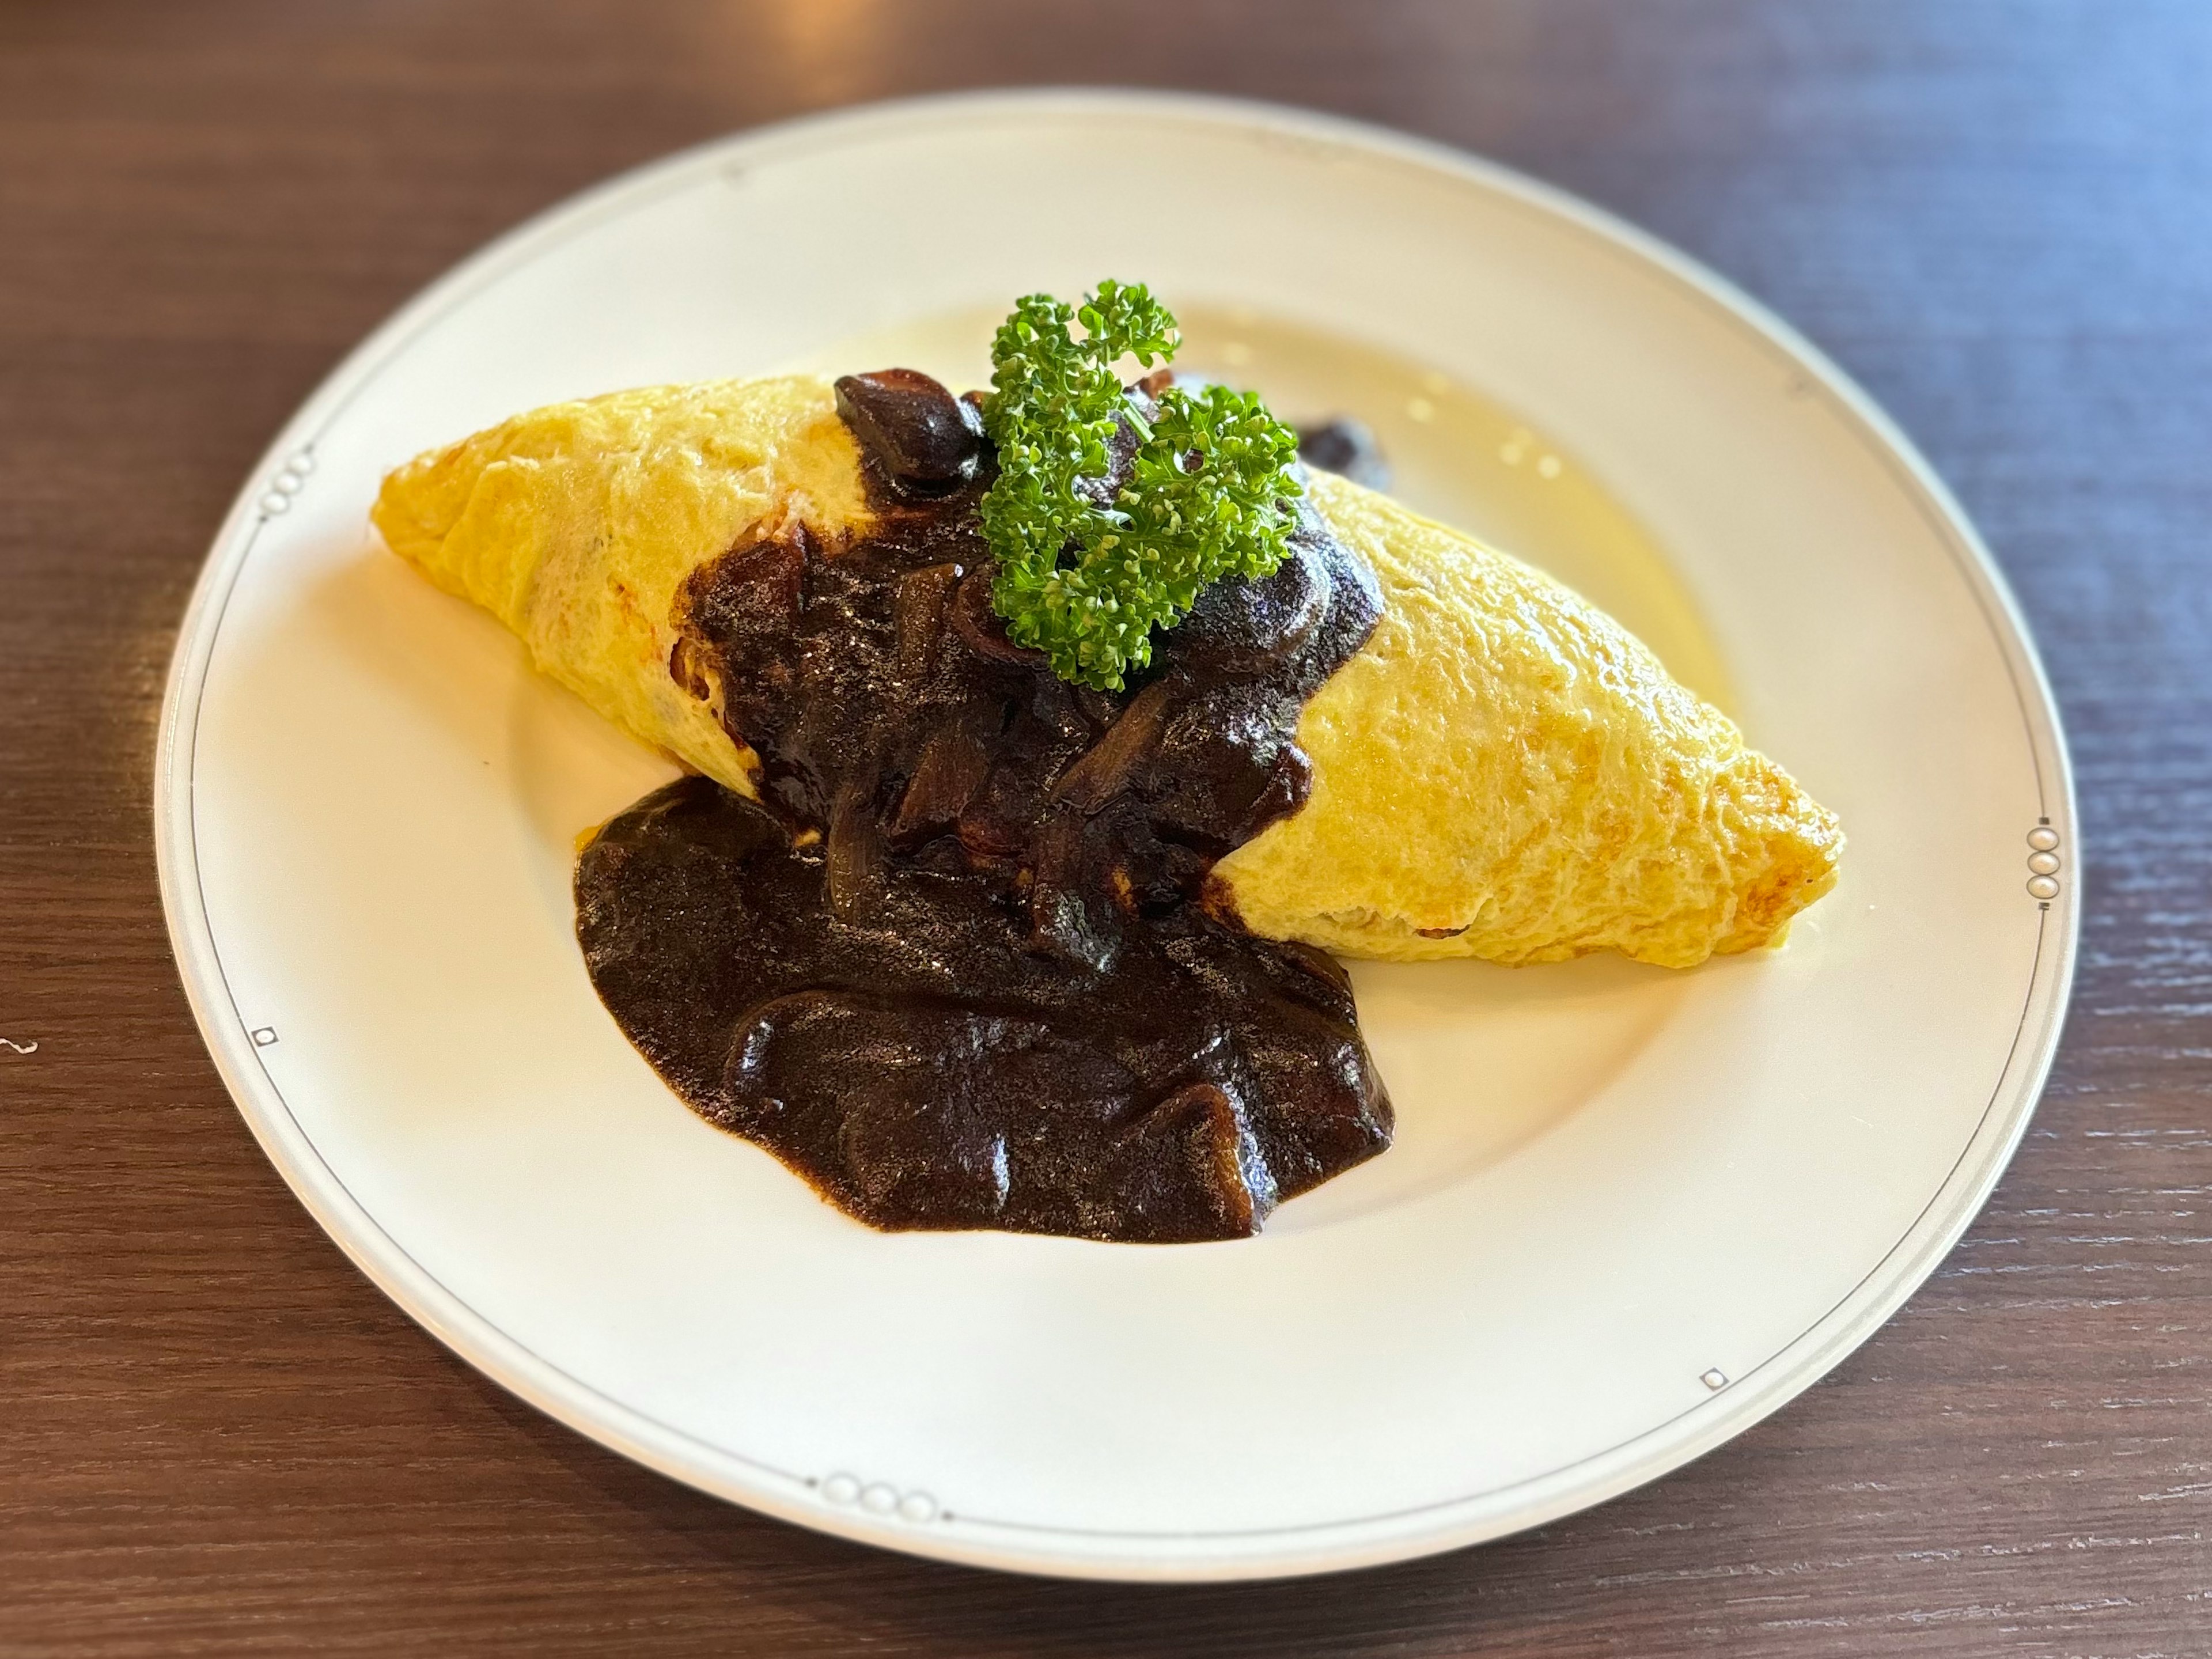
x,y
1209,496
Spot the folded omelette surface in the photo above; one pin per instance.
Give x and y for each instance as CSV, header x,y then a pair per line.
x,y
1505,772
1502,771
576,524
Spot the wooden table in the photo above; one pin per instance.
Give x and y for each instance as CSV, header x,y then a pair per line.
x,y
215,1436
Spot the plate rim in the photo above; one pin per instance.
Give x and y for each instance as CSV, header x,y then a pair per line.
x,y
1305,1548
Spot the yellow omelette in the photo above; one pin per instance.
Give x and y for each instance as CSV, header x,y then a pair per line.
x,y
1502,771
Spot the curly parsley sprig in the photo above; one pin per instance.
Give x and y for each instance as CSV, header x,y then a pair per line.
x,y
1208,495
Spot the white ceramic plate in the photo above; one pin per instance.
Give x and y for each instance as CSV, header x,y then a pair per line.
x,y
1630,1212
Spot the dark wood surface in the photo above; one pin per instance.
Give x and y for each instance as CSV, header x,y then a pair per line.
x,y
215,1436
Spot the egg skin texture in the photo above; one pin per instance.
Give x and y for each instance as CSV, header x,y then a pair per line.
x,y
576,523
1503,771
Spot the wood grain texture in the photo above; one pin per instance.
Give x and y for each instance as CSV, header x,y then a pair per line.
x,y
217,1437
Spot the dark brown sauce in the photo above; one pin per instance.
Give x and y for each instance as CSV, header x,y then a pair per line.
x,y
1346,447
959,966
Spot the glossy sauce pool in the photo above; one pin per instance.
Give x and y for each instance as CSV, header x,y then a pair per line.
x,y
960,963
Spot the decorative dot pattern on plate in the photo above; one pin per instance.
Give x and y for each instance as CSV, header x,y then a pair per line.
x,y
289,480
2043,863
880,1497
